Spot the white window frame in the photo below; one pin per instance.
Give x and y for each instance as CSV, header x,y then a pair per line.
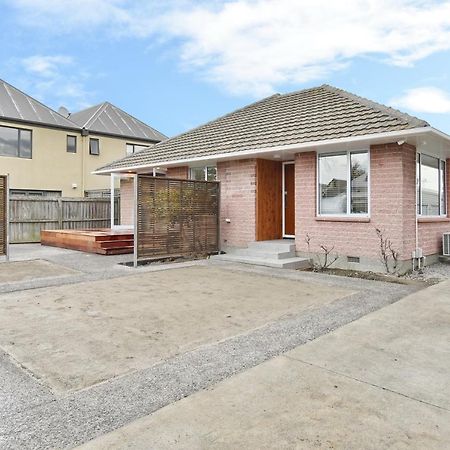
x,y
419,187
205,172
348,153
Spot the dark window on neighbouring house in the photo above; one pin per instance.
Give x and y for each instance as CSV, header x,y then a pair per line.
x,y
15,142
71,144
94,146
34,193
133,148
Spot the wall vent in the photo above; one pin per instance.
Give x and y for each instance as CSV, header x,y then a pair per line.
x,y
353,259
446,244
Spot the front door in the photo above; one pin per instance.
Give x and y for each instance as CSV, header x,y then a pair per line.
x,y
289,199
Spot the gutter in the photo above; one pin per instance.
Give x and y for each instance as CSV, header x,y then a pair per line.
x,y
292,147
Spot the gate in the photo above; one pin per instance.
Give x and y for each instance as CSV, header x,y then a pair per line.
x,y
4,215
175,217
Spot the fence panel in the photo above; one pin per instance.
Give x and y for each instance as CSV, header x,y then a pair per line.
x,y
30,215
176,217
3,215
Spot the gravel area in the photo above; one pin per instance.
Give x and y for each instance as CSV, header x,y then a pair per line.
x,y
69,420
435,272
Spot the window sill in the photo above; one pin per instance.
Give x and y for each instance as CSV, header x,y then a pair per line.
x,y
432,219
342,219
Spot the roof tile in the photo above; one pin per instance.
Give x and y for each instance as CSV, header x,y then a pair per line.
x,y
304,116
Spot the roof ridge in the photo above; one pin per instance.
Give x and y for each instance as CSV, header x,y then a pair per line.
x,y
28,96
136,119
378,106
302,91
96,114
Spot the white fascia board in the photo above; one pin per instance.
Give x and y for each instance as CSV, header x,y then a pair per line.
x,y
394,135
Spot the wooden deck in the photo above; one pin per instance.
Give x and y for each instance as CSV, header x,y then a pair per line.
x,y
102,241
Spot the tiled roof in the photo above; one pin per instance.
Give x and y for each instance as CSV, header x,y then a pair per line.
x,y
109,119
310,115
18,106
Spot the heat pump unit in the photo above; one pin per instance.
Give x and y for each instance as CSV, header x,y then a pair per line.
x,y
446,244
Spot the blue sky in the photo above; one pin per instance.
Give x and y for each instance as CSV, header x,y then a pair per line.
x,y
178,63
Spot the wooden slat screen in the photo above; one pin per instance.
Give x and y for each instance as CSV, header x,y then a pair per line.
x,y
176,217
3,214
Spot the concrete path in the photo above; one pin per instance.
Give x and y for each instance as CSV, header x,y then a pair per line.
x,y
379,382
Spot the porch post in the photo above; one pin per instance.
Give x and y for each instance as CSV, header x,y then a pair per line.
x,y
113,178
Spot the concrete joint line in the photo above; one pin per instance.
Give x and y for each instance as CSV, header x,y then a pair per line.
x,y
334,372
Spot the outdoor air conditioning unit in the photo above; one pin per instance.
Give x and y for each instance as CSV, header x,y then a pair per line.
x,y
446,244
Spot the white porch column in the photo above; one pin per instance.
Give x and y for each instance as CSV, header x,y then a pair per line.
x,y
113,179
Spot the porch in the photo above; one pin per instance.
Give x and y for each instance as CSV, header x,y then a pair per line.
x,y
279,253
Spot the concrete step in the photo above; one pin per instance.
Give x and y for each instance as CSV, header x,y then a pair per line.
x,y
444,259
262,253
273,246
286,263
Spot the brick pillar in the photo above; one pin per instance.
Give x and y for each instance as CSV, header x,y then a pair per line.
x,y
237,202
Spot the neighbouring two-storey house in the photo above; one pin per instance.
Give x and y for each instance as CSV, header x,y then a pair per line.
x,y
50,153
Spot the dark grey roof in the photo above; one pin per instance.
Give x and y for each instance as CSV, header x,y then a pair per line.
x,y
310,115
109,119
18,106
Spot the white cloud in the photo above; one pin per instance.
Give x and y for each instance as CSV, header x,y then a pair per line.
x,y
46,66
424,100
53,79
255,45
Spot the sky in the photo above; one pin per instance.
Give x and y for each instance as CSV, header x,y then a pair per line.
x,y
176,64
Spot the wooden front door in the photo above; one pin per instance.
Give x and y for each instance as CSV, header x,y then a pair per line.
x,y
289,199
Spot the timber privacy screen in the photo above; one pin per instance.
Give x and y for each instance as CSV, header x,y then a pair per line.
x,y
3,214
176,217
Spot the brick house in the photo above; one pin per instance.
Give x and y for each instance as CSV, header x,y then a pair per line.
x,y
319,165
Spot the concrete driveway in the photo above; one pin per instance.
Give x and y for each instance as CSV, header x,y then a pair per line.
x,y
82,359
379,382
74,336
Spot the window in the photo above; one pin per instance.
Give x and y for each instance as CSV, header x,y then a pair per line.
x,y
133,148
94,147
15,142
344,183
71,144
208,173
34,193
431,188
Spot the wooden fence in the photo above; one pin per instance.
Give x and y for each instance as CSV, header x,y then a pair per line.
x,y
3,214
176,217
30,215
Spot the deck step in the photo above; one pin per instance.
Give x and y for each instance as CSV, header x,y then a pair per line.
x,y
100,241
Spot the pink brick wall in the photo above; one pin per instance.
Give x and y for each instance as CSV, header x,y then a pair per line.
x,y
237,202
392,206
431,230
127,201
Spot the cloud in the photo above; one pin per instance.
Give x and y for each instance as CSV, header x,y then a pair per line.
x,y
53,79
253,46
46,66
424,100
